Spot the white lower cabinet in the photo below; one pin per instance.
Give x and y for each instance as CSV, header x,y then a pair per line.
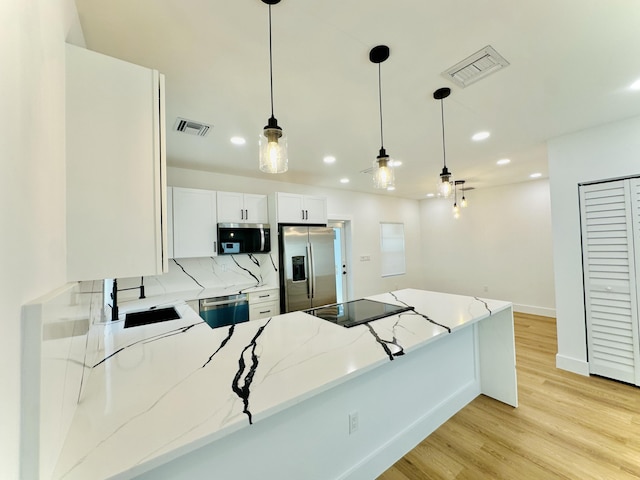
x,y
194,305
264,304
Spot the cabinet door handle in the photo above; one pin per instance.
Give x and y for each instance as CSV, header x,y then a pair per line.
x,y
241,214
215,248
266,311
307,214
246,214
302,214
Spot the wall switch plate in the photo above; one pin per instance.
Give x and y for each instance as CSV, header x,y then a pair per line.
x,y
365,258
354,422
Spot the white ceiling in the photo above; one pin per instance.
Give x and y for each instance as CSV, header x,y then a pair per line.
x,y
571,63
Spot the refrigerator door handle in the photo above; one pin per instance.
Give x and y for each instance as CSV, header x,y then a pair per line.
x,y
310,273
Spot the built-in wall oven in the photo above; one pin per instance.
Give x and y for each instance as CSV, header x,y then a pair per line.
x,y
225,310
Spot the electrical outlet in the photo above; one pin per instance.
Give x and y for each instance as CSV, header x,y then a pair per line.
x,y
354,422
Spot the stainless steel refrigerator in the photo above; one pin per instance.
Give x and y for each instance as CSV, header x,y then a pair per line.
x,y
307,267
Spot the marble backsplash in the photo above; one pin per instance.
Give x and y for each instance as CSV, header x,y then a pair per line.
x,y
226,273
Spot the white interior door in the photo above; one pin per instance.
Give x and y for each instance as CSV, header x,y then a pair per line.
x,y
610,280
342,267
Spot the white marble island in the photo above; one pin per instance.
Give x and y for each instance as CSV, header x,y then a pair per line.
x,y
272,398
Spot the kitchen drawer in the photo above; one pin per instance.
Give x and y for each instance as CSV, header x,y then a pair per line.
x,y
264,310
264,296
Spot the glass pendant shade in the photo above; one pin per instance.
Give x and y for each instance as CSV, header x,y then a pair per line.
x,y
463,202
274,157
383,176
445,186
456,211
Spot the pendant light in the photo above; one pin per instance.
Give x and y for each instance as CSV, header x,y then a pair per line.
x,y
444,186
463,201
383,176
273,141
456,208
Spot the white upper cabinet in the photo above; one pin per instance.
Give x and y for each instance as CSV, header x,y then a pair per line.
x,y
115,173
194,223
242,208
294,208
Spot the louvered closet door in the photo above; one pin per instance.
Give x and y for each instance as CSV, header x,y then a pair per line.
x,y
610,280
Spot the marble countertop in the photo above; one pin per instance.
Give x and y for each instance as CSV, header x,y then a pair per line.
x,y
178,296
158,391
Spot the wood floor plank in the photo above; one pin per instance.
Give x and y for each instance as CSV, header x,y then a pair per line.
x,y
567,426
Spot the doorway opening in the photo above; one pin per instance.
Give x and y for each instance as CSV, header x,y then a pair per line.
x,y
341,247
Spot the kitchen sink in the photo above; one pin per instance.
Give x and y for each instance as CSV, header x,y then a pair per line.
x,y
153,315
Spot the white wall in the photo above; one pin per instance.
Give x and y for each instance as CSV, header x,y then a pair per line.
x,y
502,241
365,211
604,152
32,185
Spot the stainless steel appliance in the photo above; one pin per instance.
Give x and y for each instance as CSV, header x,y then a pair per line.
x,y
307,267
243,238
226,310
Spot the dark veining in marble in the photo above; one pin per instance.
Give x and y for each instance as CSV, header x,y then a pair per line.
x,y
253,258
244,391
426,317
187,273
486,305
246,270
273,263
224,342
154,338
385,343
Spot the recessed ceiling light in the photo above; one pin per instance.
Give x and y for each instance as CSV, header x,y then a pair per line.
x,y
535,175
635,85
480,136
329,159
391,188
431,195
503,161
238,140
344,180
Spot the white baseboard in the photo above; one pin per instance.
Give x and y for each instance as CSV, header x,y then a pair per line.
x,y
572,365
533,310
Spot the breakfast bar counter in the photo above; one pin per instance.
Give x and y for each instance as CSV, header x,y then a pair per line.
x,y
290,396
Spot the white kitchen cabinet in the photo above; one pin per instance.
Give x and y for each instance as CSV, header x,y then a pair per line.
x,y
194,305
294,208
194,223
236,207
170,222
264,304
115,168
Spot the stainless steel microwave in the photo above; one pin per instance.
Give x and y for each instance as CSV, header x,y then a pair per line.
x,y
243,238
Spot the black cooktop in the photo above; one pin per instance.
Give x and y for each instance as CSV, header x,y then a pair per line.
x,y
350,314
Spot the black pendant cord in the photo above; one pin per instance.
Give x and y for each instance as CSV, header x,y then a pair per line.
x,y
380,99
270,62
444,150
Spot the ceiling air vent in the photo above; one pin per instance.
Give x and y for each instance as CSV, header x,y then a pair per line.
x,y
192,128
477,66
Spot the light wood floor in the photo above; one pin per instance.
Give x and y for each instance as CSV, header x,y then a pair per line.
x,y
566,425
